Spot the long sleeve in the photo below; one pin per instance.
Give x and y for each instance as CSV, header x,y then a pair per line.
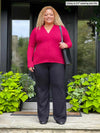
x,y
31,47
66,37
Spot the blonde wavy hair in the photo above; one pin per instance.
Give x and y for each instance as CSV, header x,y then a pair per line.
x,y
40,19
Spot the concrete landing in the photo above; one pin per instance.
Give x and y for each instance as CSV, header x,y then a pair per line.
x,y
88,123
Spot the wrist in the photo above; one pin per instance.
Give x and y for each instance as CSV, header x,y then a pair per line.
x,y
66,46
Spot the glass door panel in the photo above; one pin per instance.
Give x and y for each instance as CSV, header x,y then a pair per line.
x,y
86,48
20,38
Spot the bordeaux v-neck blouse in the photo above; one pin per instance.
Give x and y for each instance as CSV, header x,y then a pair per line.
x,y
43,47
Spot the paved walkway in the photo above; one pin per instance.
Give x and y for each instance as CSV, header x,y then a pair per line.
x,y
86,122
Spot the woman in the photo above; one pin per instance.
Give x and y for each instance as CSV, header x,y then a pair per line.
x,y
45,59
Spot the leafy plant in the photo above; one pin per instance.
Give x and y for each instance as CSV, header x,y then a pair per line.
x,y
14,88
28,85
11,93
84,93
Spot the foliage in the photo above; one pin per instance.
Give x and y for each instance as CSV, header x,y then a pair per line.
x,y
86,49
21,52
95,20
21,42
12,91
28,85
84,93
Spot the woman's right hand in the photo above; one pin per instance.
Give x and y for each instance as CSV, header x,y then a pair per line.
x,y
31,69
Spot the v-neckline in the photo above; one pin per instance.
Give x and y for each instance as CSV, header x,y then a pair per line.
x,y
47,31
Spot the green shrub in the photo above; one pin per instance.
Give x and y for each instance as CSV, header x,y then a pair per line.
x,y
28,85
12,91
84,93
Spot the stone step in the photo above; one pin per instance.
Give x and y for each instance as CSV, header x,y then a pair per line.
x,y
87,123
45,131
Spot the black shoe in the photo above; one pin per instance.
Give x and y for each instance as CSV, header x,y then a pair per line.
x,y
43,122
60,122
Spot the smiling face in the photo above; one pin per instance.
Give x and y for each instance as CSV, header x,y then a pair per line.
x,y
49,16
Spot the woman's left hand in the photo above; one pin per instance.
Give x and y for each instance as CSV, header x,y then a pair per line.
x,y
63,45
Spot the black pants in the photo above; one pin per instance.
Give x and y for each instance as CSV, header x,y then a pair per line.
x,y
50,75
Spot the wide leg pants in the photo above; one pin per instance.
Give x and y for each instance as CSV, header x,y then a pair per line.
x,y
50,75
